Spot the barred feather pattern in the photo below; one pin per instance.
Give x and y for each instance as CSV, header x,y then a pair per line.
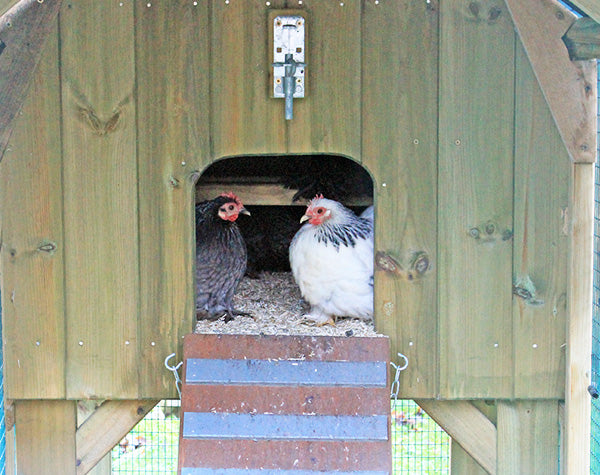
x,y
220,259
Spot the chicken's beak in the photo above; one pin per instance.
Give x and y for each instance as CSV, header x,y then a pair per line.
x,y
245,211
304,218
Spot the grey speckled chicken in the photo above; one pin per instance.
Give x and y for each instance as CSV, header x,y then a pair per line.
x,y
220,256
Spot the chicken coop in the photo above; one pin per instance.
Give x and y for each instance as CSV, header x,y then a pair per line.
x,y
473,127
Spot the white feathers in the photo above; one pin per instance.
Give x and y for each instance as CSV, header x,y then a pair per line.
x,y
332,262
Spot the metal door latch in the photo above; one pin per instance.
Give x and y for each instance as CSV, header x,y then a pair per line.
x,y
288,60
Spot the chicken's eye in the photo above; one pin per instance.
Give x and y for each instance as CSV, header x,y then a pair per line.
x,y
231,207
320,210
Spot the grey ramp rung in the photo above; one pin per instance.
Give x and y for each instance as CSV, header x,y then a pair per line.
x,y
209,425
287,372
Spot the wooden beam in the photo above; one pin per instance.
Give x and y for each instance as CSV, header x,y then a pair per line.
x,y
262,194
105,428
569,87
528,436
45,436
579,323
468,427
583,40
23,30
590,7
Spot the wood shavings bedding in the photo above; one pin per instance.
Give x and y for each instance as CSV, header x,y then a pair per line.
x,y
276,306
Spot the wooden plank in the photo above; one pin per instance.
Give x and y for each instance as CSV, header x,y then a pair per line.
x,y
475,200
173,138
45,436
461,462
6,5
591,7
32,250
579,323
399,121
105,428
100,195
85,409
528,437
23,32
262,194
541,243
468,427
244,118
308,348
583,39
569,87
328,118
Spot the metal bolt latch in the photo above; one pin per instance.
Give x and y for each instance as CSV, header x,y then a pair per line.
x,y
288,60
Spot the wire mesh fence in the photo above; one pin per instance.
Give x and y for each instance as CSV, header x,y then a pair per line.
x,y
419,445
151,447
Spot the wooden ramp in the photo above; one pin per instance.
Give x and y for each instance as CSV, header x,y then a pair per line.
x,y
286,404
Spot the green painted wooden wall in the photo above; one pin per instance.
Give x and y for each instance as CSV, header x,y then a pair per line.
x,y
133,99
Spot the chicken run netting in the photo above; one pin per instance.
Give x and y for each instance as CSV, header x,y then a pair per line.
x,y
419,445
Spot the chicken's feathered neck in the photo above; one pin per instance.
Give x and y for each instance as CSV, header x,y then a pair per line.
x,y
342,233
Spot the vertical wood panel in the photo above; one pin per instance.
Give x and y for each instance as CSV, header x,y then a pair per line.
x,y
32,279
579,324
101,221
45,435
541,240
399,147
528,437
476,199
173,104
244,118
328,118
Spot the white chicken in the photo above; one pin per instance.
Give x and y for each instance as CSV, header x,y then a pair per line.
x,y
331,258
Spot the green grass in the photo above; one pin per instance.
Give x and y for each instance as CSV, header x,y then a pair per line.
x,y
419,445
157,455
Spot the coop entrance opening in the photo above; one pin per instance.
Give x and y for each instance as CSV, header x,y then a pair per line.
x,y
276,191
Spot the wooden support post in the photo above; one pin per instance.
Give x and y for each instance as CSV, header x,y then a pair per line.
x,y
105,428
569,87
45,437
467,426
579,323
23,31
528,437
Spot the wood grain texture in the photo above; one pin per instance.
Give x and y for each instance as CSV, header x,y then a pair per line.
x,y
244,119
7,4
173,137
579,323
568,86
475,200
541,243
328,118
591,7
461,462
399,149
45,437
100,195
528,437
23,32
32,250
105,428
468,427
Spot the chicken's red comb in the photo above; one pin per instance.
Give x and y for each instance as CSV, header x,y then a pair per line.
x,y
317,197
232,196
